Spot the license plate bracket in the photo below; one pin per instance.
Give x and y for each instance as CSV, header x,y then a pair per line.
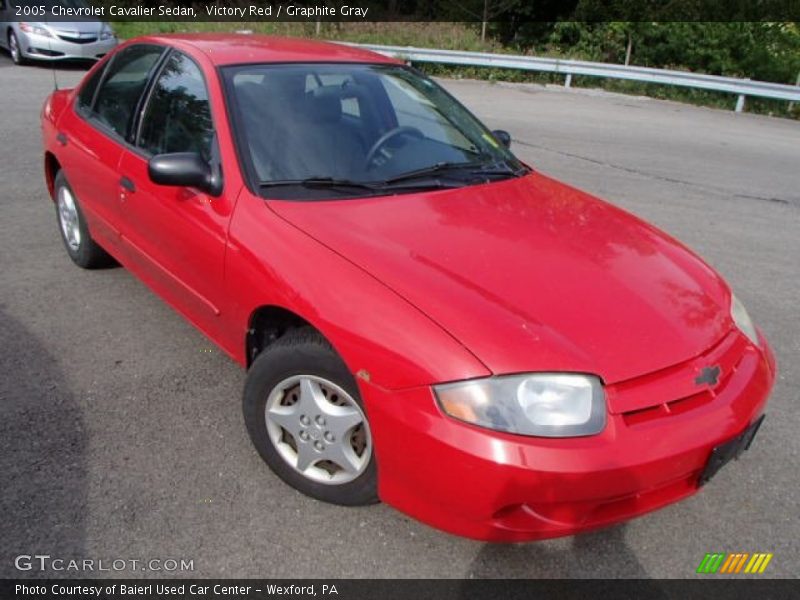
x,y
730,450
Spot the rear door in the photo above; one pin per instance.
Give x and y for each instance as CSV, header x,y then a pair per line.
x,y
93,135
178,233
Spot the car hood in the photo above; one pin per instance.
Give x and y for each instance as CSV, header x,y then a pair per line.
x,y
532,275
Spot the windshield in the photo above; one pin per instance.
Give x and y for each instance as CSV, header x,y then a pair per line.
x,y
312,131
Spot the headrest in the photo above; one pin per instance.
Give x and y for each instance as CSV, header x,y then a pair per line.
x,y
249,91
284,85
324,104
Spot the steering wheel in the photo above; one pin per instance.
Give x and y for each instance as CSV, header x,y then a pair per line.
x,y
387,137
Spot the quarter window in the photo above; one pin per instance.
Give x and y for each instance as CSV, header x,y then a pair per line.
x,y
178,114
86,94
120,91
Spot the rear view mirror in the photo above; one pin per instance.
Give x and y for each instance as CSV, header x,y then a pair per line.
x,y
503,137
184,169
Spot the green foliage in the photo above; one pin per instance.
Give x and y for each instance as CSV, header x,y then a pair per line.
x,y
758,50
766,51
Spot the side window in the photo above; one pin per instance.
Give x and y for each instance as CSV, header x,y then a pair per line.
x,y
178,115
120,91
86,94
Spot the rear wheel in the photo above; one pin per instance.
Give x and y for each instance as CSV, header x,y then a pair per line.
x,y
82,249
306,419
14,49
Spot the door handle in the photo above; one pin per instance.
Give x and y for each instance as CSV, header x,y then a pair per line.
x,y
61,138
127,184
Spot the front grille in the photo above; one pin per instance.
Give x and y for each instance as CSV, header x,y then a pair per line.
x,y
728,354
77,40
676,407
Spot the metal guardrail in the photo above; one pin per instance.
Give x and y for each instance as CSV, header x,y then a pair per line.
x,y
741,87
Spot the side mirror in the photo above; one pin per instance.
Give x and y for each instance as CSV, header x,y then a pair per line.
x,y
503,137
185,169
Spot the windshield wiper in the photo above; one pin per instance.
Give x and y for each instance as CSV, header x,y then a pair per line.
x,y
500,168
344,185
440,167
322,183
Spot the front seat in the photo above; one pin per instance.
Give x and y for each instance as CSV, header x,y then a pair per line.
x,y
293,134
323,143
269,110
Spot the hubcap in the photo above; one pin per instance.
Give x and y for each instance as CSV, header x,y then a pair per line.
x,y
318,429
68,218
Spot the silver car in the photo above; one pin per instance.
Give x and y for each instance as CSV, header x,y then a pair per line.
x,y
87,39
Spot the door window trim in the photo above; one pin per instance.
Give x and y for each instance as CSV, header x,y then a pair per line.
x,y
148,94
87,115
86,111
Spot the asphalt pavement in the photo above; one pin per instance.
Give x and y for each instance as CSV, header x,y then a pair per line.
x,y
121,434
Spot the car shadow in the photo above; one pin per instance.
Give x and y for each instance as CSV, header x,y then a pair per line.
x,y
63,65
43,443
601,554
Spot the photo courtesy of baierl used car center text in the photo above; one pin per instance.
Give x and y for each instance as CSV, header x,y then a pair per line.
x,y
385,299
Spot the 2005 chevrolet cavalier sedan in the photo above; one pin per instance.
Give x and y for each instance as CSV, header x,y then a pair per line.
x,y
425,319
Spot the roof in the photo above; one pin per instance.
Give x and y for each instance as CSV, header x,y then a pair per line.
x,y
231,48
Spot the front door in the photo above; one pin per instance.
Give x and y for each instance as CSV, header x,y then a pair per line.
x,y
178,234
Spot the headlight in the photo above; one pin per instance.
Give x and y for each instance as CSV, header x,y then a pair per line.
x,y
743,320
541,404
35,29
106,32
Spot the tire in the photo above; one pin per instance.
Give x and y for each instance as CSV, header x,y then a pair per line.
x,y
292,425
15,50
80,246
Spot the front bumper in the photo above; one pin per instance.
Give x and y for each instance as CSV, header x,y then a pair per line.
x,y
493,486
39,47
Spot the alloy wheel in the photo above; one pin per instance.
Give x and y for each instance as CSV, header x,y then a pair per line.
x,y
68,218
13,47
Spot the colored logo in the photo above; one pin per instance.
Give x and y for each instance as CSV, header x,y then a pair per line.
x,y
741,562
709,375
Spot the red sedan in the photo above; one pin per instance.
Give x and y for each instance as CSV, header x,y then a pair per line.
x,y
425,319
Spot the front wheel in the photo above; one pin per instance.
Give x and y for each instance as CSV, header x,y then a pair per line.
x,y
306,419
15,50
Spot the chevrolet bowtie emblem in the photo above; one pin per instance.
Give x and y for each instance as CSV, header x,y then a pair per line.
x,y
709,375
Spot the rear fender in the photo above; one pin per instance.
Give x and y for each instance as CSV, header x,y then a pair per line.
x,y
55,104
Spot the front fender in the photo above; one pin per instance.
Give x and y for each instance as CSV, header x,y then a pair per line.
x,y
381,337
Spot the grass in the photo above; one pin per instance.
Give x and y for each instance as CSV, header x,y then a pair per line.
x,y
456,36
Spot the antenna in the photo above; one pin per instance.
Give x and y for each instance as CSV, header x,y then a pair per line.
x,y
53,71
50,48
